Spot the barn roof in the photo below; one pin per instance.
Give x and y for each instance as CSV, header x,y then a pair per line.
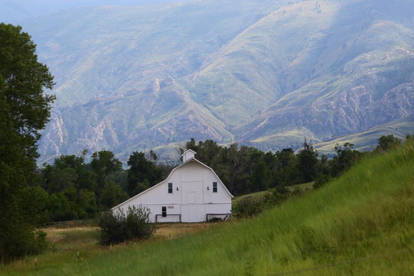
x,y
189,150
171,173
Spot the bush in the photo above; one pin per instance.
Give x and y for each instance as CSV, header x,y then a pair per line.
x,y
386,143
21,242
117,226
252,205
248,206
321,180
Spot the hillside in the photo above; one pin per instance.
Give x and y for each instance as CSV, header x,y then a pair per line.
x,y
264,73
366,140
361,223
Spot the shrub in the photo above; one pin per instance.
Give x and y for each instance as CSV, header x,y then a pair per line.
x,y
321,180
388,142
117,226
248,206
21,242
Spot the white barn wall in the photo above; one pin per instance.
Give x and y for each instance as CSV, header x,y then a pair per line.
x,y
192,195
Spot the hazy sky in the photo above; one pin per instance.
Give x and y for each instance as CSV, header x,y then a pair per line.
x,y
15,11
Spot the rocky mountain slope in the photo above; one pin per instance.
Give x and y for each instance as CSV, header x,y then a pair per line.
x,y
264,73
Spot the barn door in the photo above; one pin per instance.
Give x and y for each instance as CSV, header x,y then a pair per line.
x,y
192,208
192,192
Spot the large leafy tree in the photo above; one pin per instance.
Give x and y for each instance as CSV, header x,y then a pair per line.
x,y
104,164
24,111
142,173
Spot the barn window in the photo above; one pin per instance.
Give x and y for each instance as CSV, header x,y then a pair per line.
x,y
164,211
170,188
214,187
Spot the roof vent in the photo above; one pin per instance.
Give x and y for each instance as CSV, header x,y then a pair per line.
x,y
188,155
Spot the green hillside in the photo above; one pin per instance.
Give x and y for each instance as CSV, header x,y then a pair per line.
x,y
361,223
263,73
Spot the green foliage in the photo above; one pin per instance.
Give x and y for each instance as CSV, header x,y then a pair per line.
x,y
78,190
113,195
86,204
245,169
117,226
142,173
248,207
24,111
307,163
388,142
345,157
35,199
254,204
103,165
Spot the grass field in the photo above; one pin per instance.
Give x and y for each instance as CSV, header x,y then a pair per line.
x,y
359,224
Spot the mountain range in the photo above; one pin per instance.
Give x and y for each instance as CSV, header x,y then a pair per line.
x,y
141,75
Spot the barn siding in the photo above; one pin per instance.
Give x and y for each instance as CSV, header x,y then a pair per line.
x,y
193,199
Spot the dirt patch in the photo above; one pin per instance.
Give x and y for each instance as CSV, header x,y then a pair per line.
x,y
171,231
56,234
84,234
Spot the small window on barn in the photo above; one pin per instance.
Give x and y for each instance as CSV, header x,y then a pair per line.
x,y
214,187
164,211
170,188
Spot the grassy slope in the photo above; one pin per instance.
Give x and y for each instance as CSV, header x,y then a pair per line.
x,y
362,222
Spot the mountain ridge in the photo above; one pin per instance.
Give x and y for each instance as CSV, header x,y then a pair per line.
x,y
258,73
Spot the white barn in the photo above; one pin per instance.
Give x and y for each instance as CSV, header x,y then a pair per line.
x,y
192,192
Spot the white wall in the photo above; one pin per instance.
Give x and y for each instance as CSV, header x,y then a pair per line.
x,y
192,195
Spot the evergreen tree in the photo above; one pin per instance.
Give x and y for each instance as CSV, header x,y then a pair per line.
x,y
307,163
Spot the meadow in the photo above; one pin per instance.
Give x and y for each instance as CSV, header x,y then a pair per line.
x,y
359,224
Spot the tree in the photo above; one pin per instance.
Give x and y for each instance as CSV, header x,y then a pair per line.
x,y
24,111
104,164
142,173
387,142
345,157
287,172
260,176
307,163
112,195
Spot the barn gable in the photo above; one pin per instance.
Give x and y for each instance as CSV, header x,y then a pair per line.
x,y
192,187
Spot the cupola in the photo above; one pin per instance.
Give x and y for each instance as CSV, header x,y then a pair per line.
x,y
188,155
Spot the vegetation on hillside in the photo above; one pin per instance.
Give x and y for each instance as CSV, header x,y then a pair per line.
x,y
360,223
246,169
72,188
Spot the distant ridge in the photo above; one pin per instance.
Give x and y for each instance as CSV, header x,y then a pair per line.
x,y
265,73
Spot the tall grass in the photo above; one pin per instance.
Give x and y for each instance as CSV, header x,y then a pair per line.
x,y
360,223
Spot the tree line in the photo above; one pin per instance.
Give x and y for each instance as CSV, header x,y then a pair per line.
x,y
72,188
246,169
